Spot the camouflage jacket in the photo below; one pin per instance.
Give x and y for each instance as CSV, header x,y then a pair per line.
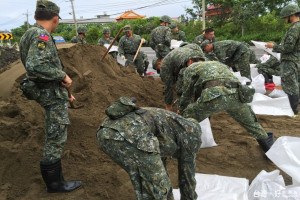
x,y
180,36
197,75
77,39
171,65
200,38
103,41
160,35
271,66
40,58
129,45
290,44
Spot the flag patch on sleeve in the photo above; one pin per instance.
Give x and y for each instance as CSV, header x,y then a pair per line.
x,y
44,37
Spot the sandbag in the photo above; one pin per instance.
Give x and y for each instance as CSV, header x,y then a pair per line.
x,y
207,137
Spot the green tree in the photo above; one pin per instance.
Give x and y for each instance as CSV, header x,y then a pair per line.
x,y
92,35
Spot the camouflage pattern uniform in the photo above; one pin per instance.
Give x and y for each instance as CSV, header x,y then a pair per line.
x,y
140,140
253,59
200,38
235,54
160,41
270,67
40,57
214,98
128,47
77,39
180,36
146,61
103,41
172,64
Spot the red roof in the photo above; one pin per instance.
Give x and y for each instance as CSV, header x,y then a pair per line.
x,y
130,15
216,10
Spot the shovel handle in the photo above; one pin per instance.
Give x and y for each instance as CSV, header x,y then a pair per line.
x,y
138,50
107,50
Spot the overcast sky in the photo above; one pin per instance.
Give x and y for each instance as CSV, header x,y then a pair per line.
x,y
13,12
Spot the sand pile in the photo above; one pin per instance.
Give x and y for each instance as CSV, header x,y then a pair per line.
x,y
7,56
96,84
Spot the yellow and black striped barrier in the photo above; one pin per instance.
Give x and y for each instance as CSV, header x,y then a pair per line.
x,y
6,36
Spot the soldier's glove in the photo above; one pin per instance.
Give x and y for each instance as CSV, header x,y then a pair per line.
x,y
143,40
123,57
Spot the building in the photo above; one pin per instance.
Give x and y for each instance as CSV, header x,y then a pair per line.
x,y
129,15
213,10
100,19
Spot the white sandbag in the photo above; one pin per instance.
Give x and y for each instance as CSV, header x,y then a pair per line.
x,y
265,105
261,45
207,137
258,83
290,193
266,186
175,44
112,49
215,187
285,153
277,93
264,58
254,72
242,79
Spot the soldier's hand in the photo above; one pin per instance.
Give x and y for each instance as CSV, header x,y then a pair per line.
x,y
269,45
123,57
169,107
71,98
143,40
178,112
66,82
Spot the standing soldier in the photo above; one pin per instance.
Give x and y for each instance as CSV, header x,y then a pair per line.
x,y
106,39
177,34
290,54
46,83
140,140
217,89
232,53
81,35
160,38
209,34
128,46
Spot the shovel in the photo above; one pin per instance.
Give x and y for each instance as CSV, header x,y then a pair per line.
x,y
107,50
137,52
73,106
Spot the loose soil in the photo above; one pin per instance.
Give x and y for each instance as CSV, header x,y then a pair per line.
x,y
97,84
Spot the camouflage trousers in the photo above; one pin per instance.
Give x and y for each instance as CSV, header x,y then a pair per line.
x,y
138,62
240,112
147,172
289,77
56,120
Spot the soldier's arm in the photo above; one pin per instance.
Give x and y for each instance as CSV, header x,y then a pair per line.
x,y
167,78
289,42
121,47
189,80
40,60
152,45
73,40
168,37
100,41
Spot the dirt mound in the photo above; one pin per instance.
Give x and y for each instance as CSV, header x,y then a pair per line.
x,y
7,56
96,84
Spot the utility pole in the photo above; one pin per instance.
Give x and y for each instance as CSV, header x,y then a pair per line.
x,y
74,17
203,14
27,19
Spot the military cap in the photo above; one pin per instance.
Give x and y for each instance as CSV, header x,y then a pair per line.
x,y
289,10
182,44
165,18
204,43
45,5
173,25
81,29
127,28
120,108
106,30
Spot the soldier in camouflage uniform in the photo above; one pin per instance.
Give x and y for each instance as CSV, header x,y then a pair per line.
x,y
173,63
232,53
146,62
269,68
44,70
140,140
290,54
217,89
177,34
128,46
106,39
81,35
209,34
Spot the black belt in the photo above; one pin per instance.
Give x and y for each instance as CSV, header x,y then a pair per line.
x,y
215,83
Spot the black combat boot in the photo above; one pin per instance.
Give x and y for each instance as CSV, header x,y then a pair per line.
x,y
266,143
52,176
294,100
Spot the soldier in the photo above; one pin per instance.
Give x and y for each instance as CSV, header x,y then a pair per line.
x,y
269,68
290,54
209,34
128,46
177,34
146,62
160,38
233,53
217,89
173,63
46,84
140,140
108,40
81,35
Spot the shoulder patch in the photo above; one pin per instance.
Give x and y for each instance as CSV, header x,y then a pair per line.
x,y
44,37
41,45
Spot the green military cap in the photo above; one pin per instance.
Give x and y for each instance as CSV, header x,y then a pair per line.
x,y
81,29
165,18
120,108
45,5
289,10
127,28
173,25
204,43
106,30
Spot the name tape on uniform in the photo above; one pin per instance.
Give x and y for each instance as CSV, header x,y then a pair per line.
x,y
6,36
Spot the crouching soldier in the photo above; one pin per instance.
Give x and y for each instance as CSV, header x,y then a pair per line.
x,y
140,140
